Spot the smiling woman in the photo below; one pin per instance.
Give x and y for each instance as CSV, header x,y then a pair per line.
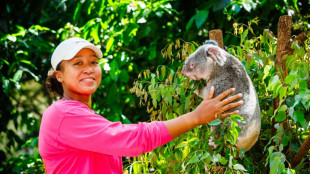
x,y
73,139
81,76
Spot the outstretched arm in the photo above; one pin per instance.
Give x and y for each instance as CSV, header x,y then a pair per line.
x,y
205,112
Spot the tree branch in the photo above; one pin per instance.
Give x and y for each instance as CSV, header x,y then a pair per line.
x,y
301,153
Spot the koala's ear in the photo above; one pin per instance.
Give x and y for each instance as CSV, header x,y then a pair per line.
x,y
216,55
212,42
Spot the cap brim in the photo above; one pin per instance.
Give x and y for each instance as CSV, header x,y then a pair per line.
x,y
80,47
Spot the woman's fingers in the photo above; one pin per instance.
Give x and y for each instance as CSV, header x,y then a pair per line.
x,y
225,93
231,105
229,114
230,99
210,94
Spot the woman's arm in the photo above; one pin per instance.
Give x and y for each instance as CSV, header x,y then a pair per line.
x,y
205,112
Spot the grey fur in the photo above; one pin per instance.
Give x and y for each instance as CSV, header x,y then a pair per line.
x,y
224,71
213,42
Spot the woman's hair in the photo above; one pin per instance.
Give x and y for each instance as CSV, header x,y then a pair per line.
x,y
53,85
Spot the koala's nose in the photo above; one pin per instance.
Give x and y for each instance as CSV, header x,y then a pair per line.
x,y
183,70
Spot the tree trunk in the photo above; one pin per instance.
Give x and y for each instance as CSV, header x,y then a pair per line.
x,y
217,35
302,152
283,41
284,36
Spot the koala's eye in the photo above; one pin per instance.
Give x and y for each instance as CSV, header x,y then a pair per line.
x,y
208,54
192,65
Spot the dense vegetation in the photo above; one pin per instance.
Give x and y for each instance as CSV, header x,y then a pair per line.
x,y
144,45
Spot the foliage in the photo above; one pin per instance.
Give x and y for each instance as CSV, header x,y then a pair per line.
x,y
291,117
19,77
26,163
170,95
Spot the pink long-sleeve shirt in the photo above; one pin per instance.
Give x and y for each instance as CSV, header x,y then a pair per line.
x,y
73,139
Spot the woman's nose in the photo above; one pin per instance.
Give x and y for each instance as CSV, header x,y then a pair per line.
x,y
88,70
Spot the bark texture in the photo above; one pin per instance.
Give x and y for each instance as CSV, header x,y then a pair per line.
x,y
217,35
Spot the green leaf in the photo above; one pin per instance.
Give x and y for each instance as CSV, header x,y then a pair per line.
x,y
130,31
285,139
230,161
114,71
291,79
94,33
194,159
282,92
223,161
17,75
152,53
205,155
182,144
190,23
153,82
145,31
244,36
281,116
125,120
201,17
276,89
215,122
273,81
124,77
239,167
300,118
32,74
163,71
283,108
109,43
289,171
76,11
241,153
237,118
276,163
193,141
299,51
187,101
154,99
102,6
266,71
216,158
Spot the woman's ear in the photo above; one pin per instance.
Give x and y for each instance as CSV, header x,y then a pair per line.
x,y
58,76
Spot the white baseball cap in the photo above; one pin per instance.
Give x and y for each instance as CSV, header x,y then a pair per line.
x,y
67,49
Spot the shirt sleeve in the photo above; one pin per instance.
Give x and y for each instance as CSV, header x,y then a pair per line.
x,y
88,131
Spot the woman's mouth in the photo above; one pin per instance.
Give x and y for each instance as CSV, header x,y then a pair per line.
x,y
88,79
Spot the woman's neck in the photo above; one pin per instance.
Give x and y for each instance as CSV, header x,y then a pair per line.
x,y
85,99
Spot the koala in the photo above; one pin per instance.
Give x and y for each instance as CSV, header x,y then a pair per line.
x,y
223,71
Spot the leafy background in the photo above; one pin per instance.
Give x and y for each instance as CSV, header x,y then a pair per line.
x,y
144,45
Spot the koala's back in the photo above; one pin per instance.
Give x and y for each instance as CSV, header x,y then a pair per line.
x,y
233,75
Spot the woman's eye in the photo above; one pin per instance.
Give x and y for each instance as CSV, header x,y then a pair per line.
x,y
78,63
94,62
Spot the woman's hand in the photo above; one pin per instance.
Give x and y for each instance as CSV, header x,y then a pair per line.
x,y
208,110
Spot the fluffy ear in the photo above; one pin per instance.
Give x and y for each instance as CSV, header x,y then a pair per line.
x,y
212,42
216,55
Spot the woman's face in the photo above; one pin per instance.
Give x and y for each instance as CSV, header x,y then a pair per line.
x,y
81,75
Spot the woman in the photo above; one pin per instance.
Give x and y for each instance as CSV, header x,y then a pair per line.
x,y
73,139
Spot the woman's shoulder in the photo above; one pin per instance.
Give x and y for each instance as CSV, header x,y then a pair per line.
x,y
65,105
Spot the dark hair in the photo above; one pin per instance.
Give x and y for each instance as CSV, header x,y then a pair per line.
x,y
52,84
